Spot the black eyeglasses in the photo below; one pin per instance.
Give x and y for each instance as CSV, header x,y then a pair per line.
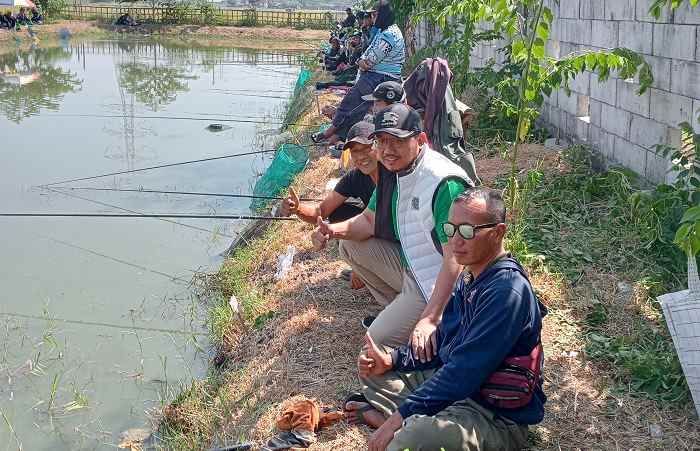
x,y
466,231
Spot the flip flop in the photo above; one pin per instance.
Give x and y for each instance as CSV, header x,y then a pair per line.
x,y
358,397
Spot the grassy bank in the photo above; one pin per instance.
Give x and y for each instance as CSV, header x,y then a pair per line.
x,y
595,258
263,38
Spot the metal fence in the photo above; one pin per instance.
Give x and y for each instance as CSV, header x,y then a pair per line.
x,y
185,14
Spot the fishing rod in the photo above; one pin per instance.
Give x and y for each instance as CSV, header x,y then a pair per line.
x,y
145,215
105,204
183,193
93,323
160,166
178,118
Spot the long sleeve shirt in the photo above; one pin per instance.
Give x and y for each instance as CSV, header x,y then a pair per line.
x,y
495,316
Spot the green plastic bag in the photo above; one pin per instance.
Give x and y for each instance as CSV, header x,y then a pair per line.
x,y
289,161
302,80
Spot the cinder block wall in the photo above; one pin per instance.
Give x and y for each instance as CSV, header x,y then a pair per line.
x,y
610,116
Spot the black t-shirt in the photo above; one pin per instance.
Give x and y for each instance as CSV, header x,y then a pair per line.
x,y
356,184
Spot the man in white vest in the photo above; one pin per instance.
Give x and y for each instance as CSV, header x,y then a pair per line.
x,y
397,245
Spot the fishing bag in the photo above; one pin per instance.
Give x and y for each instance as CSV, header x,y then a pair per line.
x,y
514,383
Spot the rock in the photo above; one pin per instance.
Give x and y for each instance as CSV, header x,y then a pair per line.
x,y
556,144
134,438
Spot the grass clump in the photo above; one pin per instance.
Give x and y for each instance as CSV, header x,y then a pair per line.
x,y
612,243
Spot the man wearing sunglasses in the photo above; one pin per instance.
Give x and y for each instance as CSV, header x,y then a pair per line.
x,y
394,246
491,326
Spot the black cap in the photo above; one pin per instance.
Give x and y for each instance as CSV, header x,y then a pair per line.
x,y
360,133
389,91
399,120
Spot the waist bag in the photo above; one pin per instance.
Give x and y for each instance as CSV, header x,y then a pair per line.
x,y
513,384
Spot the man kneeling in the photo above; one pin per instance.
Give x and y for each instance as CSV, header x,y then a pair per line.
x,y
485,386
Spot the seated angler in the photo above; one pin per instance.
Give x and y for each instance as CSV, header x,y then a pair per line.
x,y
384,95
394,246
485,386
356,185
22,17
36,17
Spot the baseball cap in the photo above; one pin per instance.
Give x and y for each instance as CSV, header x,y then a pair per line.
x,y
399,120
359,133
389,91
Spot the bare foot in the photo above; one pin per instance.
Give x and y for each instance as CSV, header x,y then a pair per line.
x,y
363,413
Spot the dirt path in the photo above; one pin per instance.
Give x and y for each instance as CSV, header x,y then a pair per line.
x,y
249,37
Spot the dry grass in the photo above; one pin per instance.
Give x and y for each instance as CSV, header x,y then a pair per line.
x,y
309,347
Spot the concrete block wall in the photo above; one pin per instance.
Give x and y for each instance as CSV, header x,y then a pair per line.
x,y
609,116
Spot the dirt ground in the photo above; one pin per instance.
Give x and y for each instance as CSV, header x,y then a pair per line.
x,y
249,37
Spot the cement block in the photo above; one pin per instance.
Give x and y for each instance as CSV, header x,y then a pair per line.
x,y
575,31
552,49
592,9
581,128
568,103
643,15
685,78
628,98
567,48
636,36
616,121
661,70
605,144
630,155
595,110
582,83
684,14
674,41
569,9
619,9
696,116
647,132
657,168
604,91
604,33
670,109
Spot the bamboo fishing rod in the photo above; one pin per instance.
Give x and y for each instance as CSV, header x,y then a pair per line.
x,y
160,166
145,215
183,193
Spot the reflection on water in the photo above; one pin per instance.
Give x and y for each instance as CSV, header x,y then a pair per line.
x,y
30,81
98,323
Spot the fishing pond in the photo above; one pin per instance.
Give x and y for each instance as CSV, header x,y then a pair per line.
x,y
99,321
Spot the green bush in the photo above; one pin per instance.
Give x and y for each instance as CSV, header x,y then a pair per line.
x,y
52,9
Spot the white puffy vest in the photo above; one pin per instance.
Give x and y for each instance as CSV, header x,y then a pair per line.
x,y
415,215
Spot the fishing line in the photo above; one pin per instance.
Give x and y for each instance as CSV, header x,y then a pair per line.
x,y
124,262
184,193
94,323
160,166
145,215
104,204
177,118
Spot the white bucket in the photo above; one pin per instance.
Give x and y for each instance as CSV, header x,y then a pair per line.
x,y
682,312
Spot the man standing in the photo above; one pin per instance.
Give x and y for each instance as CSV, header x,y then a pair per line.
x,y
485,386
349,21
396,245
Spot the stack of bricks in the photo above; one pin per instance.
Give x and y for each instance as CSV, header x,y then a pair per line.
x,y
609,116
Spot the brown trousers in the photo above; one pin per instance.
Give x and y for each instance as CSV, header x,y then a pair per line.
x,y
378,264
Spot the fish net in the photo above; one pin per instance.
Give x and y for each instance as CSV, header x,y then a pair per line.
x,y
289,161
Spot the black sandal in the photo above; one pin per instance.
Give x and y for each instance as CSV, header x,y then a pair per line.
x,y
358,397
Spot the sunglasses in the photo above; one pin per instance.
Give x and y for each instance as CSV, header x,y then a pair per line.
x,y
466,231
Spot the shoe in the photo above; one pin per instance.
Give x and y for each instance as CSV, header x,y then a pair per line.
x,y
336,150
318,137
367,321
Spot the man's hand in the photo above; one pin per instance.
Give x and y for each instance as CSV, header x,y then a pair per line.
x,y
381,438
290,205
424,340
321,235
373,361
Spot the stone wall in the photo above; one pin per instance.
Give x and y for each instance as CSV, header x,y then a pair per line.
x,y
609,116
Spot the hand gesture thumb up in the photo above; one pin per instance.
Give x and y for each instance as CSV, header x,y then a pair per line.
x,y
373,361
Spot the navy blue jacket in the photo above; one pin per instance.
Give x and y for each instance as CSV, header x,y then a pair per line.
x,y
495,316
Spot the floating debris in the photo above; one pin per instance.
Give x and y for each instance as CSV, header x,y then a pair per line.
x,y
218,127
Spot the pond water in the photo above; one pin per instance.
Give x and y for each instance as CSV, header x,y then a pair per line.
x,y
98,323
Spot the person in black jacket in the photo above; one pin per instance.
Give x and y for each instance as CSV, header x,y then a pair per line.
x,y
9,21
493,315
349,21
